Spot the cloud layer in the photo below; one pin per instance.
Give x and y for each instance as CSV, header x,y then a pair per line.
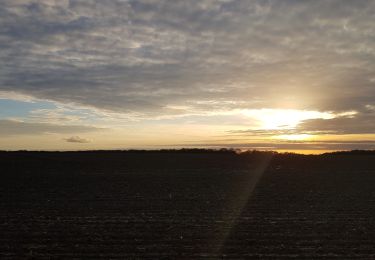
x,y
147,56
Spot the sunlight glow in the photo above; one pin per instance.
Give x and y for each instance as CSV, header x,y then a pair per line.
x,y
278,119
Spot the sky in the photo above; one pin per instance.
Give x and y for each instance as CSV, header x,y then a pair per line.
x,y
282,75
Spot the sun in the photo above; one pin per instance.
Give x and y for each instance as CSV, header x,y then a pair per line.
x,y
279,122
279,119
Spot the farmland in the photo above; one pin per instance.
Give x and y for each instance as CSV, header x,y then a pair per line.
x,y
186,205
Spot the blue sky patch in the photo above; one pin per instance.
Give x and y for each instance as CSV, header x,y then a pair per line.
x,y
14,108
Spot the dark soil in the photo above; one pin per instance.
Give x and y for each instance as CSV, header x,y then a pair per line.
x,y
186,205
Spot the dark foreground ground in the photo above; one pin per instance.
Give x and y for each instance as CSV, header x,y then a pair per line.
x,y
186,205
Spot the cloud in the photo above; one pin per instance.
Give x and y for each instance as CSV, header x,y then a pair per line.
x,y
58,115
261,132
289,145
143,56
362,123
14,128
77,139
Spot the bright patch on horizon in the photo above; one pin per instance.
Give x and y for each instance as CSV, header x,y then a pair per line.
x,y
278,119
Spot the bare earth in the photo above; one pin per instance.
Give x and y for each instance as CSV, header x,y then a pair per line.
x,y
186,205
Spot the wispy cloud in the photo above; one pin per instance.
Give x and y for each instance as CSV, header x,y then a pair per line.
x,y
13,127
288,145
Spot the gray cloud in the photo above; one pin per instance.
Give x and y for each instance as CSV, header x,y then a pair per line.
x,y
141,56
11,128
362,124
77,139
